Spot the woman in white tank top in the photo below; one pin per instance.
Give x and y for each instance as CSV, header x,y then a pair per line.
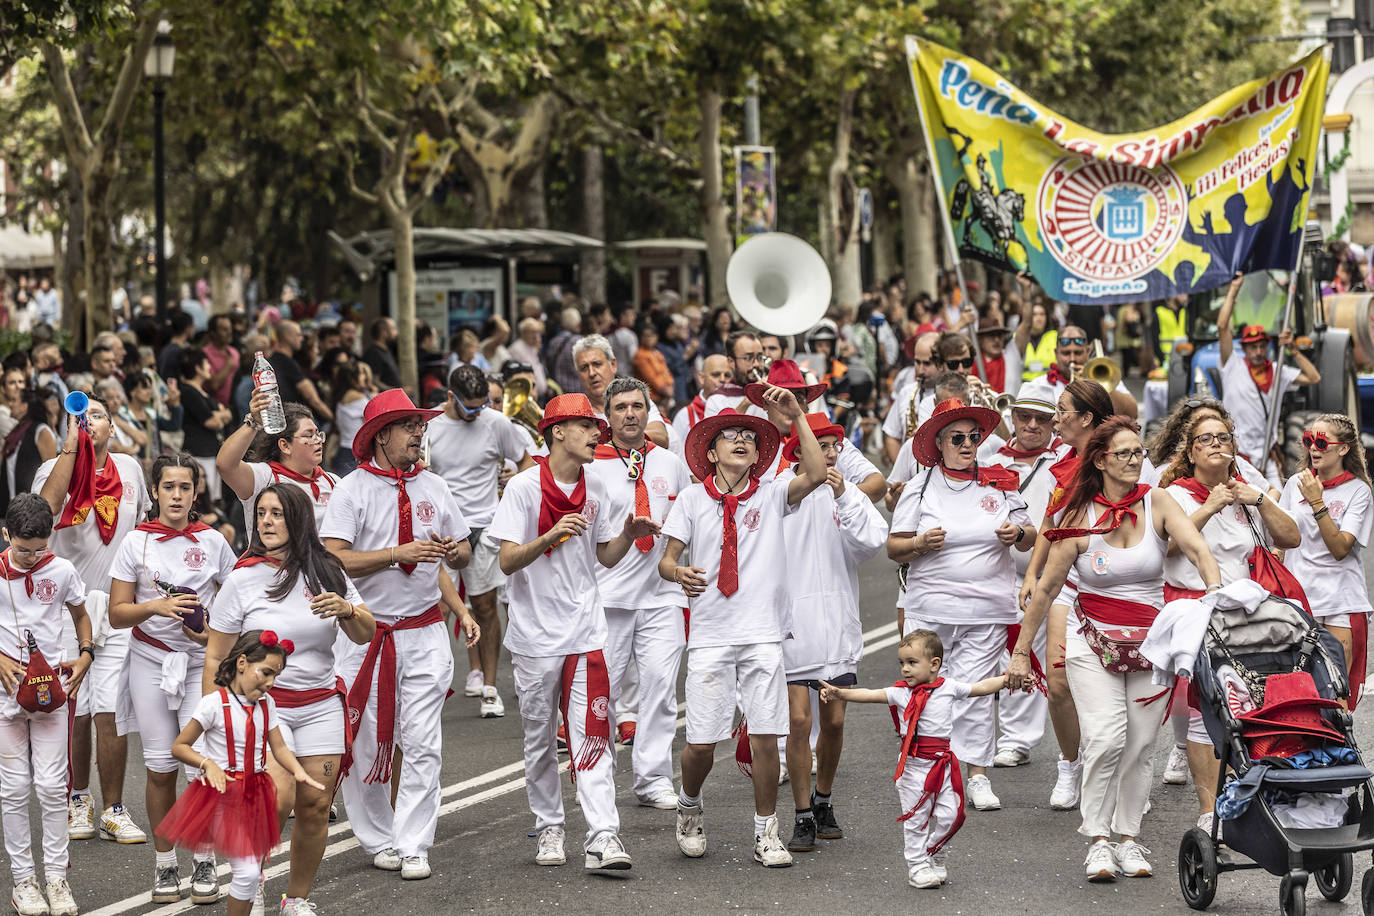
x,y
1114,534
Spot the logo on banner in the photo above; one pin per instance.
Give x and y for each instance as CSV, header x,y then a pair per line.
x,y
45,590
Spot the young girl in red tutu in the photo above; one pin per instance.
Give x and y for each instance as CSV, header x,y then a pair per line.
x,y
232,807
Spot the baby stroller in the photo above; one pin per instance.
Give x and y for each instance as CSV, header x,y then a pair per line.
x,y
1268,682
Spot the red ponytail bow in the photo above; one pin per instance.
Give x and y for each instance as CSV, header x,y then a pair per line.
x,y
287,646
269,639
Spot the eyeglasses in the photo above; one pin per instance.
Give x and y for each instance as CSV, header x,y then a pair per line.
x,y
735,432
1128,455
1195,403
828,447
1208,438
1318,441
316,436
96,415
954,365
958,439
36,554
750,357
1073,341
413,425
1061,412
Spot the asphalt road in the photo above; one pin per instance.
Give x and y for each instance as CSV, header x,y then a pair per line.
x,y
1022,859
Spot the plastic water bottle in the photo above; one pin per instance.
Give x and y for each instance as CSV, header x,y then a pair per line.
x,y
265,379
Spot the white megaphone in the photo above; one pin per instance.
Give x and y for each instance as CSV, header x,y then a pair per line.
x,y
76,404
778,283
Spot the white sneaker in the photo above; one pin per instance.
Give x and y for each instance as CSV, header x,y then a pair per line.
x,y
1064,797
115,824
167,885
550,847
298,906
937,862
782,772
27,898
1204,821
492,707
1176,770
924,876
387,860
1100,864
663,799
60,899
691,830
259,907
1011,757
607,853
80,817
415,868
769,849
472,687
1130,859
980,794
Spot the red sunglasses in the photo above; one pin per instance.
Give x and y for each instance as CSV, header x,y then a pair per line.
x,y
1315,440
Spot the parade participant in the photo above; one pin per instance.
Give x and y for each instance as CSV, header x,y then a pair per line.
x,y
643,613
390,522
162,584
1036,336
96,499
1080,408
1330,498
232,807
929,785
292,456
746,357
1118,552
956,524
832,532
1001,367
732,521
1203,481
1070,355
287,582
468,447
1247,385
596,366
553,526
1032,451
715,371
913,402
33,723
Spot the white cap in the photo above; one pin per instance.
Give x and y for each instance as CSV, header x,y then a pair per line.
x,y
1035,395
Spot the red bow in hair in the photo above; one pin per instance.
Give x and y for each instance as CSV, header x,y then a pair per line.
x,y
269,639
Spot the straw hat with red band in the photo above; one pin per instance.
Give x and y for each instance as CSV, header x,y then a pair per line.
x,y
923,444
572,407
1252,333
821,425
705,432
785,373
386,408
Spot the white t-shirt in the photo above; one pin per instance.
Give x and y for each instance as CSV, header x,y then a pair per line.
x,y
854,465
937,718
469,454
55,585
1248,405
210,714
264,476
202,564
364,512
1228,536
970,580
554,604
730,395
243,605
678,430
1036,485
1332,586
81,544
634,582
899,414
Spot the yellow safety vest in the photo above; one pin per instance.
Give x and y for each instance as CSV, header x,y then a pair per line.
x,y
1171,327
1040,358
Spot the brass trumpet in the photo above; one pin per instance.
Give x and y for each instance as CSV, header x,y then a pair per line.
x,y
981,394
518,404
1101,369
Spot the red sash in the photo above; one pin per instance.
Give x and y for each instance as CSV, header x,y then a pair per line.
x,y
1115,612
945,765
597,727
286,698
151,640
1174,593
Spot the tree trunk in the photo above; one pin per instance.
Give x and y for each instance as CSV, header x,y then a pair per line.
x,y
846,271
96,188
403,309
535,201
592,270
71,269
884,237
916,197
499,174
715,215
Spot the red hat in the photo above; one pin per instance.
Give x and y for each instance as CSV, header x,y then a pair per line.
x,y
572,407
821,425
946,412
785,374
381,411
1253,332
1291,705
704,433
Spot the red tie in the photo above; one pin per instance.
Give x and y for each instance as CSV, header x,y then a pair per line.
x,y
646,543
403,521
728,580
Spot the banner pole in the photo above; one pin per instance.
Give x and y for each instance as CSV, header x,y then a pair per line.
x,y
1271,427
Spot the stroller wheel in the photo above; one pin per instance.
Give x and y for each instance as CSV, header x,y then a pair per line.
x,y
1367,893
1335,879
1293,894
1197,869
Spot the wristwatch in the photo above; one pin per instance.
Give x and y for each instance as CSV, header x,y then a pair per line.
x,y
1259,502
88,650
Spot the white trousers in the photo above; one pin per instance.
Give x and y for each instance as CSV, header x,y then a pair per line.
x,y
539,685
1118,737
972,653
33,755
648,643
1020,715
917,835
424,671
158,725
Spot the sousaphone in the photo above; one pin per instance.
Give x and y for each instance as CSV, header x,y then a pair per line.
x,y
778,284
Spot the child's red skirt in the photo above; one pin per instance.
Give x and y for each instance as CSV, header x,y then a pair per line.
x,y
240,823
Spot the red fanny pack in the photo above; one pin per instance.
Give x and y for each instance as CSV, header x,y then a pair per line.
x,y
1114,630
41,690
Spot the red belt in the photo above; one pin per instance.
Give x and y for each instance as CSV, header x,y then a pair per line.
x,y
286,698
1116,612
937,749
1174,593
383,645
151,640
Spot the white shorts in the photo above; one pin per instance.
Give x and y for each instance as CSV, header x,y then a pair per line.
x,y
483,572
719,675
1335,620
316,730
99,691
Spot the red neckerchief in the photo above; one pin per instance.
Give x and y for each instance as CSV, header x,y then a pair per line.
x,y
995,371
246,561
992,475
553,502
1116,514
728,580
93,488
312,480
696,411
1016,454
1262,377
26,574
612,452
1196,488
1063,471
403,519
1055,377
920,695
167,532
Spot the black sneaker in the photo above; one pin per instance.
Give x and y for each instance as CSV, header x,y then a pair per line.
x,y
167,885
803,835
827,828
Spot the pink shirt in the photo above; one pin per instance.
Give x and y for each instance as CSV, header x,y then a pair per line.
x,y
217,361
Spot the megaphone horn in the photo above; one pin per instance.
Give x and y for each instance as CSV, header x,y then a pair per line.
x,y
76,404
778,283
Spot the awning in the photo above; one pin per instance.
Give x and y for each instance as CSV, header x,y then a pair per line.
x,y
680,243
20,250
366,251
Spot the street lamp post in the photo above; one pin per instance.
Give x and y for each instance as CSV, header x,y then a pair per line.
x,y
158,67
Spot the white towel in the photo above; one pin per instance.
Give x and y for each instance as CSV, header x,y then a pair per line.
x,y
98,609
173,684
1176,635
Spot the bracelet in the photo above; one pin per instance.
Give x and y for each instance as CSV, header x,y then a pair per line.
x,y
87,650
1020,533
1260,501
67,452
352,611
1025,652
1213,587
1321,513
393,557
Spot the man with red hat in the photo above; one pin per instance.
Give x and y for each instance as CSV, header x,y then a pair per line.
x,y
554,525
1247,385
390,522
733,523
833,531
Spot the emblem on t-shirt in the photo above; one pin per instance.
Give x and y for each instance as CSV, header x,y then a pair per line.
x,y
1099,561
600,706
309,595
751,519
1337,509
589,510
989,504
194,557
1240,514
659,486
45,590
424,511
324,497
835,514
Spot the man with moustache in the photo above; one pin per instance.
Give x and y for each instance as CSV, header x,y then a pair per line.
x,y
745,351
715,371
914,399
596,366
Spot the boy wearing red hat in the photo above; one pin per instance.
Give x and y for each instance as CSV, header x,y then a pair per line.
x,y
554,526
390,522
733,521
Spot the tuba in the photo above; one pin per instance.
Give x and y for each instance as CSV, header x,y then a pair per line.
x,y
778,283
518,404
1101,369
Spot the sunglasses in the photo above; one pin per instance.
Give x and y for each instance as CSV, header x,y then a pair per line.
x,y
1318,441
956,364
1073,341
735,432
635,465
472,411
958,439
